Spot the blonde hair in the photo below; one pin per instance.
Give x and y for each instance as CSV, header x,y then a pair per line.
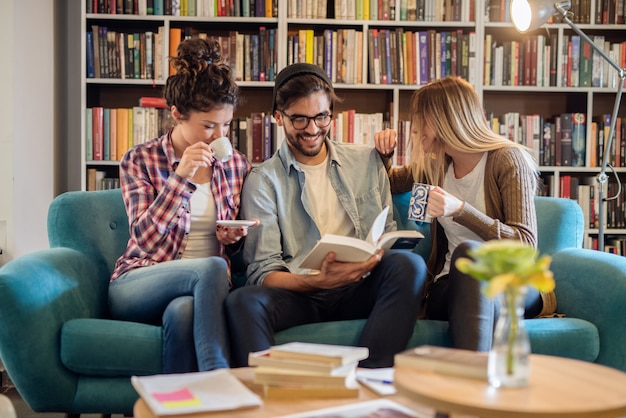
x,y
452,109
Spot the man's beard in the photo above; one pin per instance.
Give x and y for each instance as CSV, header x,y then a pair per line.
x,y
297,142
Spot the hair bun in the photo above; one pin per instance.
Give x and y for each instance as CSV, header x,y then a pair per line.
x,y
196,54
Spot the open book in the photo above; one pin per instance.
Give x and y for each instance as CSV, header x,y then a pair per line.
x,y
350,249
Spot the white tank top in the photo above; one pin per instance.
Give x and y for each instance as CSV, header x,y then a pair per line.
x,y
202,241
470,189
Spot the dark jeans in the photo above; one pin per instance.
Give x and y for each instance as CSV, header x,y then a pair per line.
x,y
390,298
457,298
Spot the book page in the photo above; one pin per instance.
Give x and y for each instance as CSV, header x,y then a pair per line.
x,y
378,227
379,381
400,240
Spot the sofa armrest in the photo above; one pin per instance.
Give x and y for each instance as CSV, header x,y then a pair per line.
x,y
38,293
591,285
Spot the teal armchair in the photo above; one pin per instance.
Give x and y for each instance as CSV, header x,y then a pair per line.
x,y
64,353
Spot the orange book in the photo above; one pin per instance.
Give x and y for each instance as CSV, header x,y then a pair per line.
x,y
407,53
269,5
593,150
122,133
131,129
176,35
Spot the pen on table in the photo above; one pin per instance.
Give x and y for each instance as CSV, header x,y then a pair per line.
x,y
374,380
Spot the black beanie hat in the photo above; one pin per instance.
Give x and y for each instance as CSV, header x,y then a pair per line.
x,y
296,70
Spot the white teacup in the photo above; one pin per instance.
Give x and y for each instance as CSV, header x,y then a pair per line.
x,y
222,149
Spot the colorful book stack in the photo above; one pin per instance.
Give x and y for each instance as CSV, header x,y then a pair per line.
x,y
308,370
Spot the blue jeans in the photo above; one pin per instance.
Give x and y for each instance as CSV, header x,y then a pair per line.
x,y
458,299
390,298
145,294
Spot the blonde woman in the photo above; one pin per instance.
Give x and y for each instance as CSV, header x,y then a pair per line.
x,y
484,190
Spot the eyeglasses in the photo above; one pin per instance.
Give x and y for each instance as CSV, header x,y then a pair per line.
x,y
301,122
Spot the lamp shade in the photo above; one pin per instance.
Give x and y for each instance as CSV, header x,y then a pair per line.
x,y
529,15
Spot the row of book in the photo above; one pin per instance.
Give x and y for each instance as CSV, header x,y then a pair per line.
x,y
201,8
109,133
394,56
415,58
124,55
409,10
556,141
251,56
586,191
561,140
338,52
534,60
612,244
98,180
605,12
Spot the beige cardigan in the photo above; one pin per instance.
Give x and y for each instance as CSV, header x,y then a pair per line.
x,y
509,200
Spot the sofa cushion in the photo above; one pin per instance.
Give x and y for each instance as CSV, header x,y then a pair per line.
x,y
102,347
565,337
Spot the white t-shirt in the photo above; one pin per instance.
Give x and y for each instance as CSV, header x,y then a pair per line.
x,y
202,241
322,203
470,189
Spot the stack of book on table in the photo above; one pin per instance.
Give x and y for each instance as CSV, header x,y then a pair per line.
x,y
308,370
445,360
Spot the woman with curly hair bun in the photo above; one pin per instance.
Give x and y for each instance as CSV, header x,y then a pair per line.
x,y
175,270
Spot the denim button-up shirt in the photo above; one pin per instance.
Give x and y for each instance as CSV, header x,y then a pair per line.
x,y
273,193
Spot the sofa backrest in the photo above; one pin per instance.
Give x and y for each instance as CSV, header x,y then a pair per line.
x,y
95,223
560,224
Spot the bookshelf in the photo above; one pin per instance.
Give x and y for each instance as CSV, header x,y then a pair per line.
x,y
477,23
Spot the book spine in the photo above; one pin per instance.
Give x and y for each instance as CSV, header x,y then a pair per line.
x,y
566,139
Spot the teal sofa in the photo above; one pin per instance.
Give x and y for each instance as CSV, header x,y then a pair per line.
x,y
64,354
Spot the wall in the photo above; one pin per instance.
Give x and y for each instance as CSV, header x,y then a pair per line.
x,y
27,148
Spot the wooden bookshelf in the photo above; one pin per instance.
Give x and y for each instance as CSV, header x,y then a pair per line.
x,y
363,93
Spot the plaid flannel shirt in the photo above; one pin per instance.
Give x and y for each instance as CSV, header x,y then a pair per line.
x,y
157,201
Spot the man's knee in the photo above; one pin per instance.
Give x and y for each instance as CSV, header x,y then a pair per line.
x,y
406,264
244,299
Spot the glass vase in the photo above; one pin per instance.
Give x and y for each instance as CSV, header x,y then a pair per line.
x,y
508,364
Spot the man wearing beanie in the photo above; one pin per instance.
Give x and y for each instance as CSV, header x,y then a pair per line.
x,y
309,187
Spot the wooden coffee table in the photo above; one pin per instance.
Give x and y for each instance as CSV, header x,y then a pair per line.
x,y
558,387
273,408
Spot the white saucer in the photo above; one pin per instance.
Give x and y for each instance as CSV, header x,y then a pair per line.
x,y
236,223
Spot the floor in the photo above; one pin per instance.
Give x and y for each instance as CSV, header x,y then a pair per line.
x,y
23,411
